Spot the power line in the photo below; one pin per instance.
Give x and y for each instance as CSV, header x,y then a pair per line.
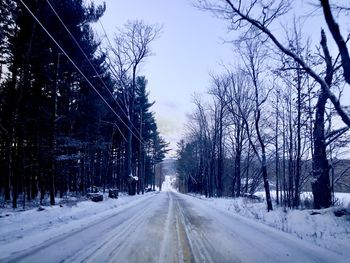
x,y
111,47
92,66
77,68
112,123
105,33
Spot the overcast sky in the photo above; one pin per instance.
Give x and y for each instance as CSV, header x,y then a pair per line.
x,y
189,47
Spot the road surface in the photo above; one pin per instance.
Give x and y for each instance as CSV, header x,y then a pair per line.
x,y
171,227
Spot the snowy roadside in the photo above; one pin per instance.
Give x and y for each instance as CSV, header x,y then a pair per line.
x,y
21,230
320,227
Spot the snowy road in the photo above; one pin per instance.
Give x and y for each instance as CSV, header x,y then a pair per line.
x,y
171,227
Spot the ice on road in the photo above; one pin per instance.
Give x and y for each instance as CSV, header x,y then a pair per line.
x,y
172,227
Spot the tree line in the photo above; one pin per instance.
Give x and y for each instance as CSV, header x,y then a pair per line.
x,y
275,118
73,113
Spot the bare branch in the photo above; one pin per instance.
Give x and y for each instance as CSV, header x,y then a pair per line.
x,y
335,30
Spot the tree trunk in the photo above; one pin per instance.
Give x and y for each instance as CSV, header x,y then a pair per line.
x,y
296,201
238,157
276,149
237,172
266,184
220,156
263,162
128,155
320,168
247,170
290,159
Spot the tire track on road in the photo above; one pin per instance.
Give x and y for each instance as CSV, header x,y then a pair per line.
x,y
53,242
202,249
112,241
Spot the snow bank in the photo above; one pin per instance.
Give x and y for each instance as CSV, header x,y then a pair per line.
x,y
341,199
21,230
321,227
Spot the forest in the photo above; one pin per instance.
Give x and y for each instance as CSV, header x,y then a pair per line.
x,y
74,113
174,131
275,120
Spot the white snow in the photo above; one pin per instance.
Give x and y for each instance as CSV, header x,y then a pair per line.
x,y
176,226
136,178
245,239
341,199
168,183
323,229
22,230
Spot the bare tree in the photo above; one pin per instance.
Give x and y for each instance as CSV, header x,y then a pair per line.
x,y
260,15
219,91
239,97
252,55
338,38
207,135
132,45
277,156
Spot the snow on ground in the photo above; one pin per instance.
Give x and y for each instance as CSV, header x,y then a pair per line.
x,y
321,227
168,183
341,199
21,230
255,241
170,227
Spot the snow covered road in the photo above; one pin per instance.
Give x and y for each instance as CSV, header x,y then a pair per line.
x,y
171,227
